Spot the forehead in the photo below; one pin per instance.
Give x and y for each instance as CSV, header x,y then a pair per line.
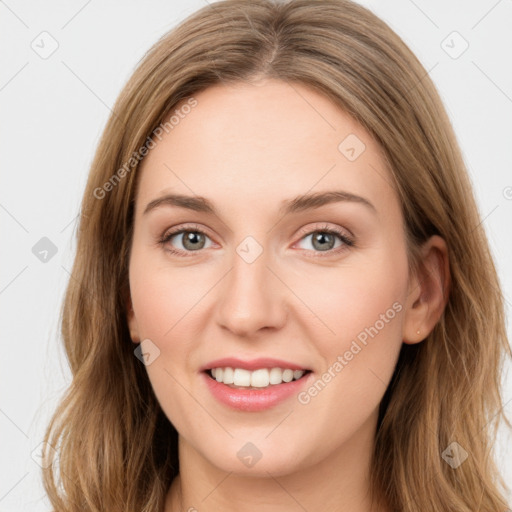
x,y
272,140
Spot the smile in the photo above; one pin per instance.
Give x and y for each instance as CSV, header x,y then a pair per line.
x,y
255,385
257,379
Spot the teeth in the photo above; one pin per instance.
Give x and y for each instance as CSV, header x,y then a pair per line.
x,y
288,375
228,376
276,376
241,377
260,378
297,374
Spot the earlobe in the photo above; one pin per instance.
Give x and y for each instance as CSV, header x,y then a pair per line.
x,y
428,291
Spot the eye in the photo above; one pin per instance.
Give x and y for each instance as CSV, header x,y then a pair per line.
x,y
324,240
191,239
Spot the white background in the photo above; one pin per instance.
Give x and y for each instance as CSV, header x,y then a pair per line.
x,y
54,110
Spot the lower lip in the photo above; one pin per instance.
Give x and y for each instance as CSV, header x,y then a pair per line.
x,y
253,400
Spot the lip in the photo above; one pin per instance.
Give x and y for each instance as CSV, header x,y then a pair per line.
x,y
253,364
254,400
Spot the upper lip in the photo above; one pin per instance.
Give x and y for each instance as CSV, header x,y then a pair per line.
x,y
253,364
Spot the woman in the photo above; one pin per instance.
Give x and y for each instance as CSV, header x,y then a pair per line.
x,y
336,339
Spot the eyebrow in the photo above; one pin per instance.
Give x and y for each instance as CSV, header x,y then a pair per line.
x,y
298,204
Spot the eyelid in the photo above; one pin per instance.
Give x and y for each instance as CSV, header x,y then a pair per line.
x,y
169,233
325,227
346,237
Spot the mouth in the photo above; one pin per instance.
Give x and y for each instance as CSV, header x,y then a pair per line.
x,y
260,378
256,385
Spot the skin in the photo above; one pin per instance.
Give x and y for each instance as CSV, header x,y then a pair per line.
x,y
247,147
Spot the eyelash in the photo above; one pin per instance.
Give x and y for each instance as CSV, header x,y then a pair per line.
x,y
348,242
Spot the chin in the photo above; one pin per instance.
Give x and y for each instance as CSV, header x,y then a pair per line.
x,y
257,458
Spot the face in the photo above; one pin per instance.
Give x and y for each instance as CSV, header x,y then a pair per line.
x,y
263,279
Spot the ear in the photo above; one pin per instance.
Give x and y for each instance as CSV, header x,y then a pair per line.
x,y
130,316
428,291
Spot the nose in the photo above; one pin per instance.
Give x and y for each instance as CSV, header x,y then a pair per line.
x,y
251,298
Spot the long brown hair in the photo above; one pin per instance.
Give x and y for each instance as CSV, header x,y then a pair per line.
x,y
117,451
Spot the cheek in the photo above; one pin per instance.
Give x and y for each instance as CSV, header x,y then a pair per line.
x,y
354,297
363,307
163,300
163,296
